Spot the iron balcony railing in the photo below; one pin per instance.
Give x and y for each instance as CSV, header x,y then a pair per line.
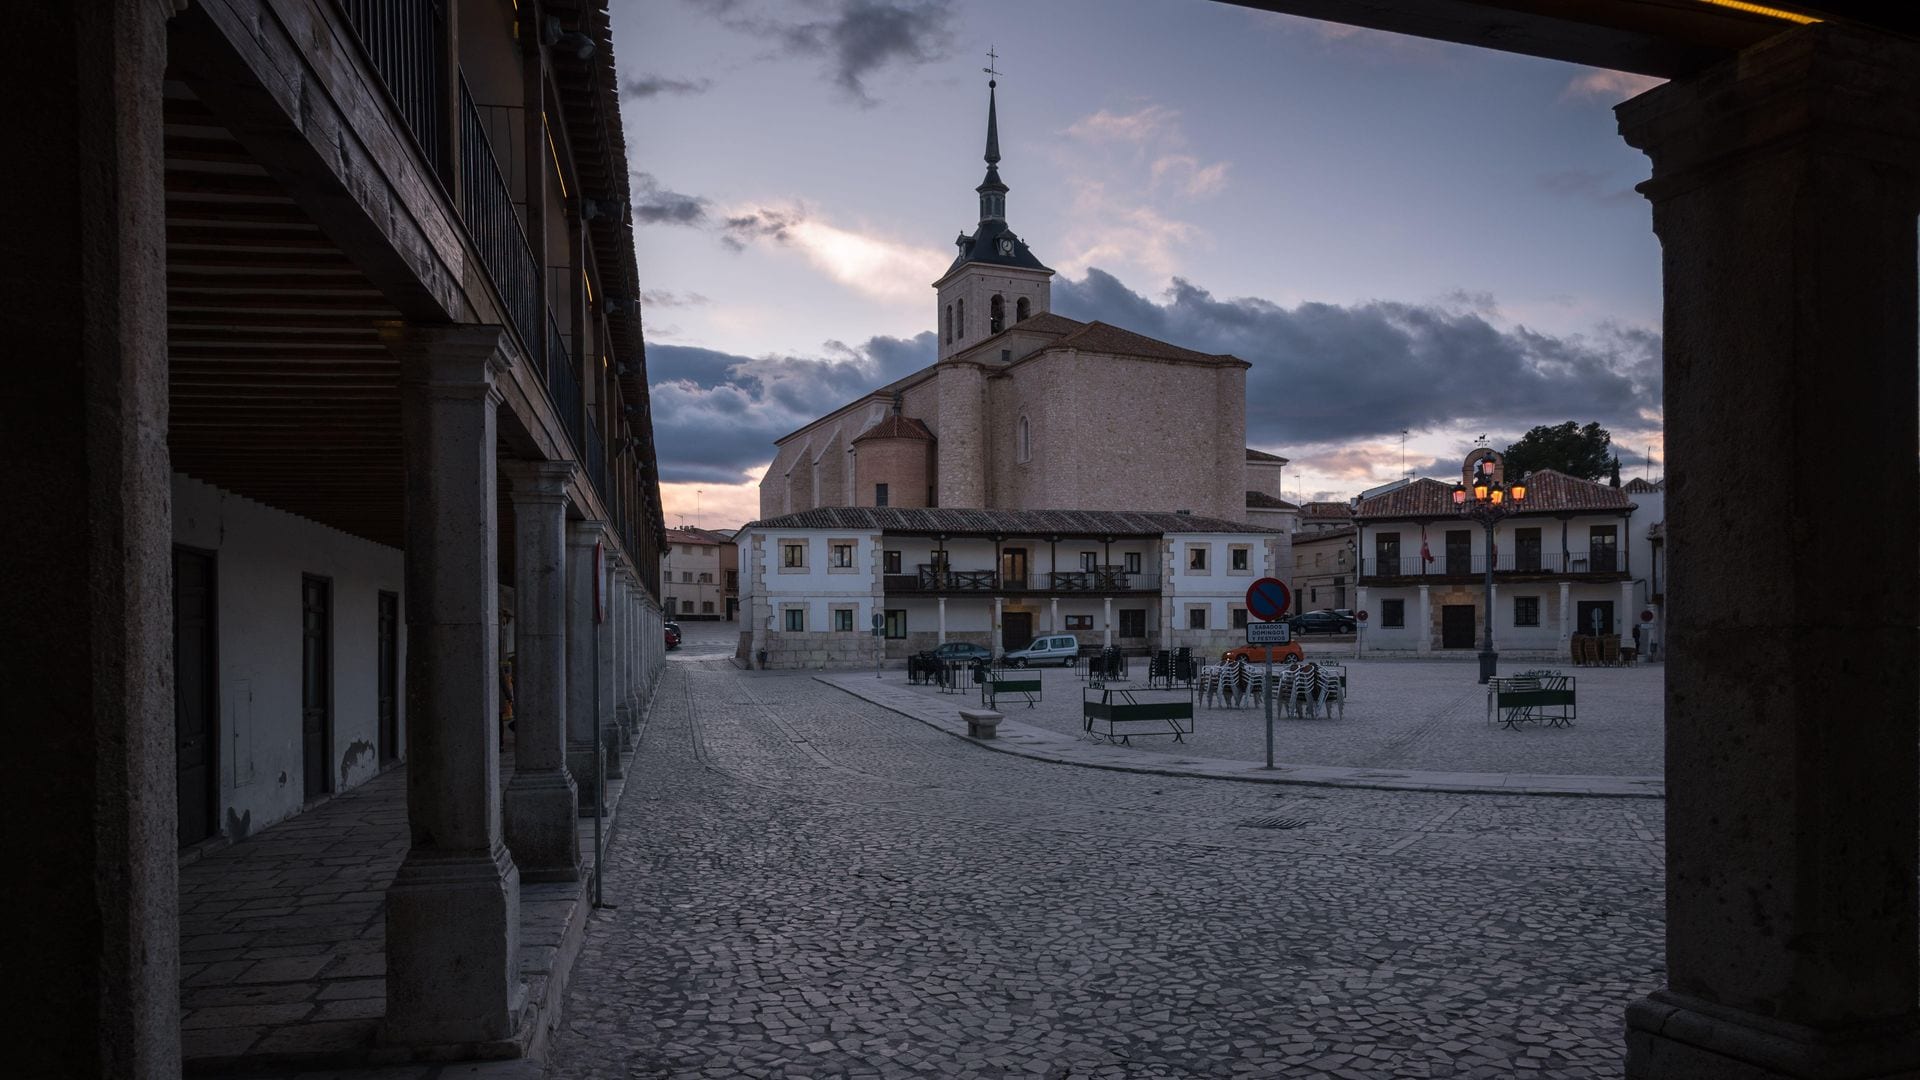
x,y
563,385
596,452
933,579
486,203
403,40
1594,561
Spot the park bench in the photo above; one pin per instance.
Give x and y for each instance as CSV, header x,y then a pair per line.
x,y
1531,697
1125,710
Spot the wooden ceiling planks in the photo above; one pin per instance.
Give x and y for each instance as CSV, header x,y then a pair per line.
x,y
279,388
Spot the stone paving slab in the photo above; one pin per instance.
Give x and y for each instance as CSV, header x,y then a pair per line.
x,y
1018,734
283,940
824,888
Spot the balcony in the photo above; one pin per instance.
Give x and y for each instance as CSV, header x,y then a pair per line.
x,y
932,580
1596,563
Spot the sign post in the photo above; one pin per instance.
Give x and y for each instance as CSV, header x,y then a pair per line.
x,y
1267,600
879,646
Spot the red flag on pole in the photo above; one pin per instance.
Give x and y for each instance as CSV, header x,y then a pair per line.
x,y
1425,555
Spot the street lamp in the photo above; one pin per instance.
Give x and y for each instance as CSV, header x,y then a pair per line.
x,y
1487,502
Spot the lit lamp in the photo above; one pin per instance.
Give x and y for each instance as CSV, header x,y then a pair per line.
x,y
1492,501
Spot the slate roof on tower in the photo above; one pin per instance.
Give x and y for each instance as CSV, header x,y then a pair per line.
x,y
984,247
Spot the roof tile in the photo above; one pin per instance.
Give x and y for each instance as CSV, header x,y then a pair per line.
x,y
957,522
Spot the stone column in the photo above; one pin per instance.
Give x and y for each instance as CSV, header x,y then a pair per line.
x,y
1785,187
1106,623
1566,619
583,661
609,649
1054,608
943,620
90,790
994,640
541,805
1425,641
453,910
622,659
1628,616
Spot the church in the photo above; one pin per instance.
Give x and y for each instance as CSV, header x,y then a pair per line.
x,y
1025,409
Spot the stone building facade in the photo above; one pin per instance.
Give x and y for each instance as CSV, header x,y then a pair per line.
x,y
1025,409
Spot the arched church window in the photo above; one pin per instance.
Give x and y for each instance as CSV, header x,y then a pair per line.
x,y
1023,442
960,320
949,327
1021,309
996,314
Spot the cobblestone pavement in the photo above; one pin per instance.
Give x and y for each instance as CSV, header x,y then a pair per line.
x,y
809,885
704,639
1406,714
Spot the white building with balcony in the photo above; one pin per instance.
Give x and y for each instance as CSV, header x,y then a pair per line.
x,y
1564,563
812,582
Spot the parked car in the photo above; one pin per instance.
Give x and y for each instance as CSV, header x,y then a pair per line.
x,y
673,636
1257,654
964,651
1062,649
1321,622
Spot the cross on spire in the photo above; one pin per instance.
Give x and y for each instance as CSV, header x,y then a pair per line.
x,y
993,58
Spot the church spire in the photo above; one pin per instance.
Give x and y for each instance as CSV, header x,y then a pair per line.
x,y
993,193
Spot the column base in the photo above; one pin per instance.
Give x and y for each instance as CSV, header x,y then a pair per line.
x,y
583,765
541,810
453,957
610,740
1489,666
1675,1037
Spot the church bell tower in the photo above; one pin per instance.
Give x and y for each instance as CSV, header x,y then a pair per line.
x,y
995,282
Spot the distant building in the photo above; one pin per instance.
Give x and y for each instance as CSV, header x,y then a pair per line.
x,y
1562,565
1323,568
693,574
1028,410
815,580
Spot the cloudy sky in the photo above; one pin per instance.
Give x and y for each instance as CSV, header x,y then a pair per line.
x,y
1397,234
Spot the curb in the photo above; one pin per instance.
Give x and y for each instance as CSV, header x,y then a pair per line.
x,y
1041,744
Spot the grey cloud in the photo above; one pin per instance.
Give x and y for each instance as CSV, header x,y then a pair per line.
x,y
856,38
716,414
655,205
646,86
661,298
735,232
1323,373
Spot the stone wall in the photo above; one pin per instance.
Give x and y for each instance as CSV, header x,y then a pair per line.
x,y
820,649
961,473
904,465
977,284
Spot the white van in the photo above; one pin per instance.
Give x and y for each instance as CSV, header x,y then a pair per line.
x,y
1063,649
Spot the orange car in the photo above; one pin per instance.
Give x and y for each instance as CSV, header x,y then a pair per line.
x,y
1257,654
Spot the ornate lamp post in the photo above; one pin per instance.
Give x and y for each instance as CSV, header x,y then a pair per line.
x,y
1487,502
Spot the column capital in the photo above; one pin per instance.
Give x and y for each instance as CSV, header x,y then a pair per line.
x,y
463,355
538,480
586,531
1823,90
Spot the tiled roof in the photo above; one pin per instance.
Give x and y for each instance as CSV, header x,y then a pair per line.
x,y
1638,486
1326,511
1548,492
1260,500
956,522
1047,323
696,536
1331,532
1099,337
896,426
1262,455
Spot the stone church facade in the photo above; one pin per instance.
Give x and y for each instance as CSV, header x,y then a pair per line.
x,y
1025,409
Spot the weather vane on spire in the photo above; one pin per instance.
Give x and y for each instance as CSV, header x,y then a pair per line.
x,y
993,58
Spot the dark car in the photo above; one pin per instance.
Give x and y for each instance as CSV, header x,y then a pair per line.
x,y
673,635
963,651
1321,622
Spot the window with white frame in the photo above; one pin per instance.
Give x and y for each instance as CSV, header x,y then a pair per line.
x,y
1133,562
793,556
1240,558
842,555
1088,560
1196,558
1133,622
1196,618
896,624
706,607
843,620
1082,624
890,561
1238,616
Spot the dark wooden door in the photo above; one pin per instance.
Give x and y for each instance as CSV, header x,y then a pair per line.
x,y
1013,568
1456,626
195,701
1459,551
389,677
316,684
1016,630
1593,617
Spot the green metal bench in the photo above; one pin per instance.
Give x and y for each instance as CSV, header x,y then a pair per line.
x,y
1163,712
997,681
1531,697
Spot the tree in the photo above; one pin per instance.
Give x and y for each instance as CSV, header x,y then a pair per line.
x,y
1585,452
